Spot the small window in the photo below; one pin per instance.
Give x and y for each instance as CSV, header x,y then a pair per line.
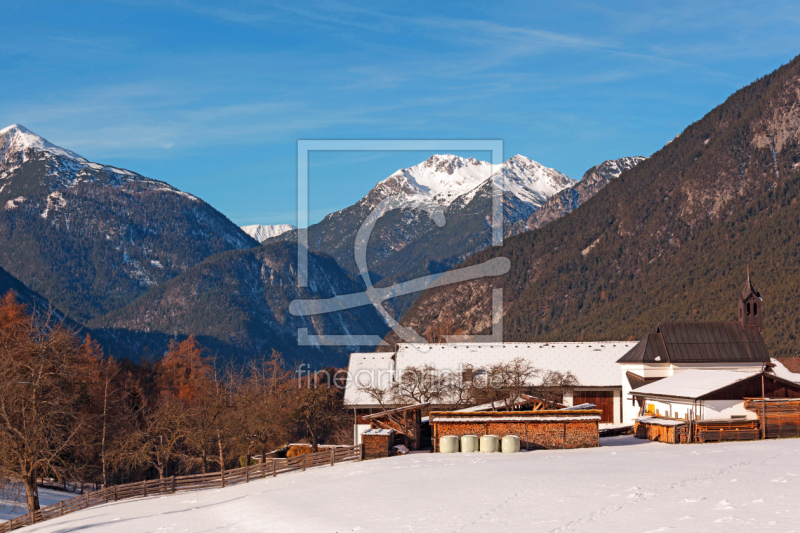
x,y
755,309
740,313
748,308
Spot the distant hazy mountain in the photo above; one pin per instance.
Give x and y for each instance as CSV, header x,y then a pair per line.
x,y
91,238
261,233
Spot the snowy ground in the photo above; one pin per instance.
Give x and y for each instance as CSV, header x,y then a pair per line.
x,y
15,505
626,485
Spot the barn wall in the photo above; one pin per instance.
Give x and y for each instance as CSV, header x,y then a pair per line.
x,y
604,399
725,409
707,409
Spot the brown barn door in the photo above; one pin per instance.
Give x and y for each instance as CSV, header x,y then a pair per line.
x,y
604,400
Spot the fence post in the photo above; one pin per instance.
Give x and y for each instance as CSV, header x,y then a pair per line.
x,y
173,484
61,508
86,498
115,493
304,462
333,456
361,452
273,467
247,471
144,490
222,477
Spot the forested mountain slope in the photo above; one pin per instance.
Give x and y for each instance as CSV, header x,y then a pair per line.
x,y
91,238
668,240
237,305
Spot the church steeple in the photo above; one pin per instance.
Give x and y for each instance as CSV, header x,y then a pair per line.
x,y
750,306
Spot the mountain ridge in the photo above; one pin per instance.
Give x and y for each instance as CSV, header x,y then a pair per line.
x,y
91,237
667,240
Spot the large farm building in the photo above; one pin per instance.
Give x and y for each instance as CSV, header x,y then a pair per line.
x,y
679,372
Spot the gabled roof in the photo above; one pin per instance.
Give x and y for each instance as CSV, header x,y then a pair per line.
x,y
648,350
699,342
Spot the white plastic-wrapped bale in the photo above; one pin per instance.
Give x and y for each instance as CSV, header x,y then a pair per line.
x,y
510,444
448,444
490,444
469,444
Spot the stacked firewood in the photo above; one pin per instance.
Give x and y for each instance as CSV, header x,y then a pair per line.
x,y
719,430
782,415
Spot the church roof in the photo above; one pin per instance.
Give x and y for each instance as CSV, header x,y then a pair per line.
x,y
699,342
649,350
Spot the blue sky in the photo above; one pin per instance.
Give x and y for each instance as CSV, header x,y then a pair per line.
x,y
212,99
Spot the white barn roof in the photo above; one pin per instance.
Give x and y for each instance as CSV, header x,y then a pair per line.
x,y
693,383
594,364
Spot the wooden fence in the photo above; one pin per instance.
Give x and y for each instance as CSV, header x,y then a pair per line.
x,y
170,485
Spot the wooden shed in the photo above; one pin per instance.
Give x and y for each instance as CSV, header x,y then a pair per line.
x,y
377,443
406,422
537,430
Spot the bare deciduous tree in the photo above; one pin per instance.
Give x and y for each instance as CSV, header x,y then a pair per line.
x,y
263,405
41,365
319,412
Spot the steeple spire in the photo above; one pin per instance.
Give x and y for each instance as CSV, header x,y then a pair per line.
x,y
750,306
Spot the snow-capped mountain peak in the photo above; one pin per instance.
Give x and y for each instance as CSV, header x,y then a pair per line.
x,y
18,145
530,181
17,139
446,178
261,232
440,177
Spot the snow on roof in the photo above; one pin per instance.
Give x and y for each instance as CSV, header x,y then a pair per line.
x,y
378,432
498,405
781,371
660,421
592,363
512,418
693,383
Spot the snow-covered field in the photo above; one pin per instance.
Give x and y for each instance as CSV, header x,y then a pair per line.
x,y
15,506
626,485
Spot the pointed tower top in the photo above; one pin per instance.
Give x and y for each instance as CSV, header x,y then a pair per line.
x,y
748,287
750,306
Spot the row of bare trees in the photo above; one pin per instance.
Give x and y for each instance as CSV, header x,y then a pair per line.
x,y
502,385
70,412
